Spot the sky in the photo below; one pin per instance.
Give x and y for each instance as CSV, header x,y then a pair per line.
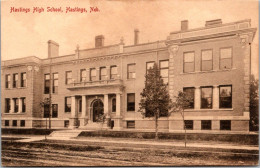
x,y
26,34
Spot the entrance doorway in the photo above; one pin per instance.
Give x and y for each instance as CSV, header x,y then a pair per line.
x,y
98,109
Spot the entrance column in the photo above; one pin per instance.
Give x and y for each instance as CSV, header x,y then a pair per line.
x,y
118,118
106,104
73,113
83,120
106,111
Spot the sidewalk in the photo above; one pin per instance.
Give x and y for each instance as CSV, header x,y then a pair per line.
x,y
173,143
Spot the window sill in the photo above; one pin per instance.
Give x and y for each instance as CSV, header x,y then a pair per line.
x,y
210,71
130,111
219,109
152,118
15,113
16,88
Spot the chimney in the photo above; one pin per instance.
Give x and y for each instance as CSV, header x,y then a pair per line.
x,y
184,25
53,49
99,41
136,38
216,22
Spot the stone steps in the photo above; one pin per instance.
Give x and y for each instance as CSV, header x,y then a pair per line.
x,y
66,133
94,126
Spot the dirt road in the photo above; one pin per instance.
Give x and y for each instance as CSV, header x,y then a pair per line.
x,y
52,153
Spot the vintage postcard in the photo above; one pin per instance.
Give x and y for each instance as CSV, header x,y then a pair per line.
x,y
129,83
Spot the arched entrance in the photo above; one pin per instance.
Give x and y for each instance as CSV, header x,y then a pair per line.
x,y
98,109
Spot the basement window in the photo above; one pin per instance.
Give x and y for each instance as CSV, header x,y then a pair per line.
x,y
15,123
22,123
66,123
6,123
130,124
189,124
206,124
225,124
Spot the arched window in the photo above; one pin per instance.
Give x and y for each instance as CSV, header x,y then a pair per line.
x,y
114,105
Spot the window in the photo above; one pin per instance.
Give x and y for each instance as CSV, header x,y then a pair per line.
x,y
225,97
226,58
114,105
206,124
46,83
188,124
83,75
188,60
113,72
189,94
23,79
22,123
16,105
46,111
15,80
131,71
206,97
93,74
15,123
68,77
164,69
7,105
206,60
23,104
130,102
130,124
103,73
7,81
225,125
149,65
55,83
67,104
7,123
80,104
66,123
54,110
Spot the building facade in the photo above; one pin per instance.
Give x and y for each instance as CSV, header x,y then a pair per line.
x,y
211,64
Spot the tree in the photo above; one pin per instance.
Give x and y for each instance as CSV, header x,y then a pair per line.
x,y
181,102
155,100
254,106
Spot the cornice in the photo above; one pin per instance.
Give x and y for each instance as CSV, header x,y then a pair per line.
x,y
179,41
105,57
19,65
